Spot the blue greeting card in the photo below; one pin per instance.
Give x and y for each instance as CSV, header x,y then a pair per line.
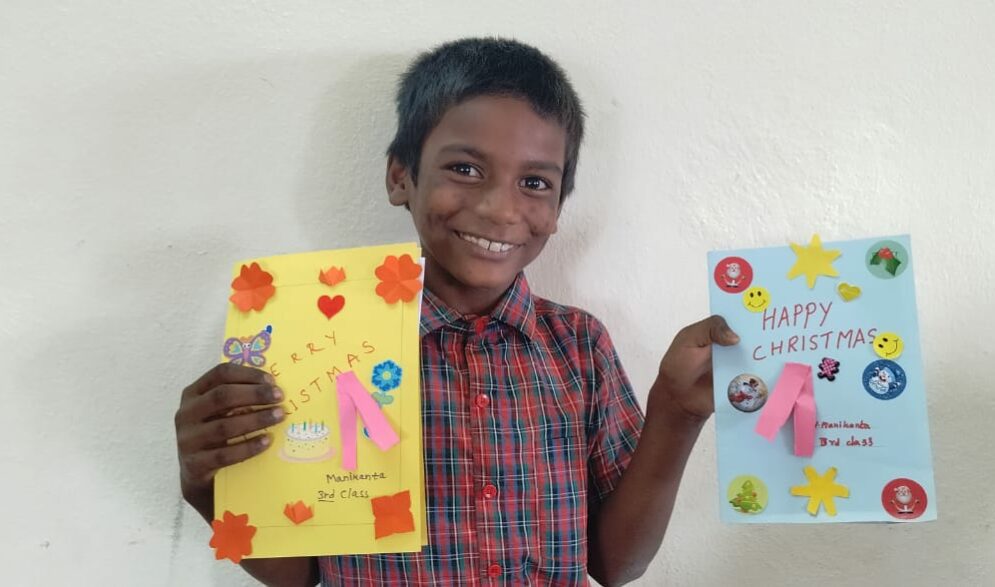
x,y
821,407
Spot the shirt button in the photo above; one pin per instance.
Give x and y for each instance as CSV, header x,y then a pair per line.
x,y
494,570
489,492
482,401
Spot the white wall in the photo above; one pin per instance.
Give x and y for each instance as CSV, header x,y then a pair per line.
x,y
144,148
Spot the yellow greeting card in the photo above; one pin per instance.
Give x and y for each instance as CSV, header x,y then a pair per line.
x,y
338,330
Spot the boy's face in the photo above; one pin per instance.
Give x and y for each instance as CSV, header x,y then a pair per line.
x,y
488,193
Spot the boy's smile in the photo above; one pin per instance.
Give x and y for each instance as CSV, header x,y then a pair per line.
x,y
487,197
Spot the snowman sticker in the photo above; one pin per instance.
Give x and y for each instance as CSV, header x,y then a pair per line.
x,y
747,393
884,379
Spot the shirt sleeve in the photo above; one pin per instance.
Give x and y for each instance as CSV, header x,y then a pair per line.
x,y
615,418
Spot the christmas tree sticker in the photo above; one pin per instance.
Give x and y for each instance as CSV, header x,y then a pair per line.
x,y
746,500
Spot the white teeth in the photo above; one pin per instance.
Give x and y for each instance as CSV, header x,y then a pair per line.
x,y
493,246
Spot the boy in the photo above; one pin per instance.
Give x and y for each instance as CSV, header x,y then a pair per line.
x,y
539,466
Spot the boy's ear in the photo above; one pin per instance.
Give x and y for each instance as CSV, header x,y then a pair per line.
x,y
399,183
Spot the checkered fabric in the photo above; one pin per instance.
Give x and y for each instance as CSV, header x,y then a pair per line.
x,y
528,417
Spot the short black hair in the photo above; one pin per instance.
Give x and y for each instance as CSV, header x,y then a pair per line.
x,y
459,70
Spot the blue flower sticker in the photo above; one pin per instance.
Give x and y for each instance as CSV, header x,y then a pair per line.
x,y
386,375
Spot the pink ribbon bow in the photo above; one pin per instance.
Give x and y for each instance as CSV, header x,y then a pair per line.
x,y
354,398
794,392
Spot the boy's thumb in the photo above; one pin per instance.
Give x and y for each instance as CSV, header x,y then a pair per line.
x,y
719,332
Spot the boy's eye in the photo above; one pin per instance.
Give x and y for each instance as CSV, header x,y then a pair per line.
x,y
535,183
465,169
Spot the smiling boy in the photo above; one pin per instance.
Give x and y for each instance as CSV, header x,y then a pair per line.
x,y
539,466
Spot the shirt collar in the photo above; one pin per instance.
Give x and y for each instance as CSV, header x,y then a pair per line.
x,y
515,308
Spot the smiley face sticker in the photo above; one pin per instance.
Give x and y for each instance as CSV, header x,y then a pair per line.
x,y
888,345
756,299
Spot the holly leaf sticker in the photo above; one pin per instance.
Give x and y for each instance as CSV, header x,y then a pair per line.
x,y
876,259
891,265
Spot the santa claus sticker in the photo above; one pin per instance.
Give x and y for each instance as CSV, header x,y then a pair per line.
x,y
904,499
733,274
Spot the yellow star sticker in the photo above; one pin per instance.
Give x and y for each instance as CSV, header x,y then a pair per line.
x,y
813,261
821,489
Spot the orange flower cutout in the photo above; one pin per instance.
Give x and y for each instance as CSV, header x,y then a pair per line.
x,y
333,276
298,512
392,514
253,288
398,279
232,537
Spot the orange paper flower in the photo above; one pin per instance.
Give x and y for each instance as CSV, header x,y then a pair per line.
x,y
398,279
298,512
232,537
392,514
253,288
331,277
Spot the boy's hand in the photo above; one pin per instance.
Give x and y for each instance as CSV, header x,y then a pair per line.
x,y
685,378
214,409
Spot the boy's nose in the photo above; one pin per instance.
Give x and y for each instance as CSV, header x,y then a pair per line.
x,y
499,204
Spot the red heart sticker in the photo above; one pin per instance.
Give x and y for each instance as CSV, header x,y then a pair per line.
x,y
331,306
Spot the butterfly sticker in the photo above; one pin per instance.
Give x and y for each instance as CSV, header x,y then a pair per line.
x,y
248,350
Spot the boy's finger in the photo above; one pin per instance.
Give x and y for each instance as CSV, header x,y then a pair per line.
x,y
217,433
711,330
203,465
719,331
226,397
227,373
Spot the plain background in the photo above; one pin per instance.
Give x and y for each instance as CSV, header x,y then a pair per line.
x,y
145,146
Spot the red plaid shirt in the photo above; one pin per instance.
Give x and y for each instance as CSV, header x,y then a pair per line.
x,y
527,416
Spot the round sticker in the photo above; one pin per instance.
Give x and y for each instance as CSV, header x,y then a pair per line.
x,y
756,299
884,379
888,345
747,494
887,259
733,274
747,393
904,499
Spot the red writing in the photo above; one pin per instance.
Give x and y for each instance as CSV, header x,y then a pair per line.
x,y
866,441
